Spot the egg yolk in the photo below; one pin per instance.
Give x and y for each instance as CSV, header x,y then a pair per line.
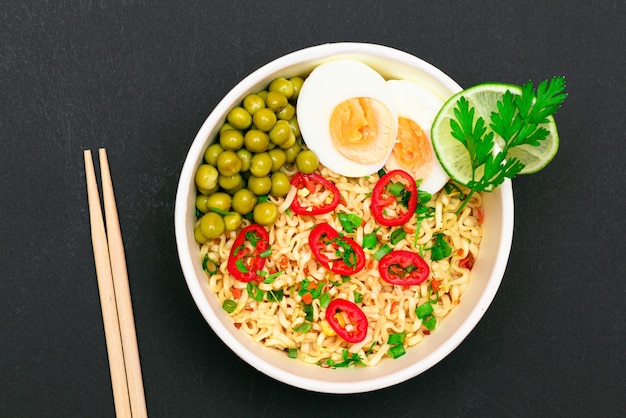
x,y
412,151
361,129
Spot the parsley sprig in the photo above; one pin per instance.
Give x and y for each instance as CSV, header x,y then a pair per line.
x,y
516,122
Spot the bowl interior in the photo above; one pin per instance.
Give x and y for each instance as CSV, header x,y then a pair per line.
x,y
487,272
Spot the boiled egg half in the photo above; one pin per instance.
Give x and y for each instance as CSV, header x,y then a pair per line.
x,y
413,152
347,116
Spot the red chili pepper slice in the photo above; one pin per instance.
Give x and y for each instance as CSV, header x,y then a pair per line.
x,y
245,260
347,320
324,240
387,192
311,183
403,268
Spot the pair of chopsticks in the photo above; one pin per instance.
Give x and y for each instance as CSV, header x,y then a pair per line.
x,y
115,301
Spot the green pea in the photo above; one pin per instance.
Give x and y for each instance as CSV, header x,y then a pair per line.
x,y
206,176
261,164
295,126
280,184
264,119
306,161
297,83
279,158
280,133
199,236
220,201
226,126
207,192
260,185
289,143
201,205
276,101
253,102
230,183
262,94
211,225
292,152
265,213
228,163
245,156
244,201
232,221
286,113
283,86
239,118
231,139
211,153
256,140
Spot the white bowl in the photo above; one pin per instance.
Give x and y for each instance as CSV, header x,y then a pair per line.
x,y
486,275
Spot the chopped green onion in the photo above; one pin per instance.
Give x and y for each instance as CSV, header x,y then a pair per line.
x,y
288,212
241,266
266,253
397,351
219,211
424,310
397,236
209,265
345,279
370,240
381,172
324,299
275,295
382,251
303,328
254,292
308,312
270,279
396,338
430,322
396,189
350,221
293,353
358,298
253,238
229,305
423,196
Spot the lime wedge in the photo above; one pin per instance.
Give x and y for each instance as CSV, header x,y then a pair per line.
x,y
453,156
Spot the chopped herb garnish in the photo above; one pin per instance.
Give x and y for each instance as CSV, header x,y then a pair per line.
x,y
397,338
371,349
441,249
396,351
219,211
275,295
209,265
270,278
350,221
241,266
324,299
348,360
303,328
370,240
380,253
397,235
229,305
293,353
358,297
254,292
253,238
425,313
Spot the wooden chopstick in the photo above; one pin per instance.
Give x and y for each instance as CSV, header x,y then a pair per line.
x,y
115,300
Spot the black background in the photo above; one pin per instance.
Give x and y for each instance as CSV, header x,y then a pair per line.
x,y
140,76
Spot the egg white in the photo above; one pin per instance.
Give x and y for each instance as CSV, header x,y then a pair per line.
x,y
420,105
328,85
